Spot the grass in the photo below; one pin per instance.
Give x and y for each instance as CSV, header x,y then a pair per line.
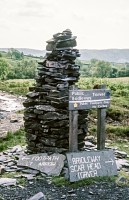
x,y
13,139
122,145
122,131
60,181
119,106
17,86
126,179
113,83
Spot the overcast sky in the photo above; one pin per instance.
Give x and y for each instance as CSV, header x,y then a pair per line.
x,y
98,24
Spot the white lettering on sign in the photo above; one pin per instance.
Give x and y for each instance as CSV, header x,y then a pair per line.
x,y
47,164
90,164
77,93
102,106
83,103
80,98
88,159
93,166
45,158
85,166
87,174
77,168
106,102
95,102
86,98
99,94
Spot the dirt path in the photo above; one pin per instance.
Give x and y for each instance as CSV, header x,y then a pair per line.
x,y
10,119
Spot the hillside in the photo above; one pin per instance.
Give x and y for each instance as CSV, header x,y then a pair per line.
x,y
26,51
110,55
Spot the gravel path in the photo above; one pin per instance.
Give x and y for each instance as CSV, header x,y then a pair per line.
x,y
10,119
98,191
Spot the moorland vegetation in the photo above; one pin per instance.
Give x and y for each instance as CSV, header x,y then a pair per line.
x,y
15,65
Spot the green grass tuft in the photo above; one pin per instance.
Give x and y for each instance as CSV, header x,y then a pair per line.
x,y
122,131
19,87
13,139
61,181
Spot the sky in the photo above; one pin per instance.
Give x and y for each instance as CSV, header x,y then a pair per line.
x,y
98,24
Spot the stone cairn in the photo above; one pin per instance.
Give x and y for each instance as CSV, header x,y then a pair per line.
x,y
46,107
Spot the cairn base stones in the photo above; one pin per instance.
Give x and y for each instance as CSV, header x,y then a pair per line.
x,y
46,107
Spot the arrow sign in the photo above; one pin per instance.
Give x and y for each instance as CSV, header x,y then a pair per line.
x,y
87,99
25,158
90,164
48,164
110,161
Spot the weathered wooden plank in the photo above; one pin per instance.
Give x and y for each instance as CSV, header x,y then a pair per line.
x,y
73,131
101,116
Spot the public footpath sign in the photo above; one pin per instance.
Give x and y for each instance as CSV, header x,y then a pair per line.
x,y
48,164
87,164
87,99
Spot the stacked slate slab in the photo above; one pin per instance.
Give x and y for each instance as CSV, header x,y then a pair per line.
x,y
46,107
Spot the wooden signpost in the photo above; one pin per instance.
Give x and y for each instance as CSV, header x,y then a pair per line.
x,y
92,163
84,100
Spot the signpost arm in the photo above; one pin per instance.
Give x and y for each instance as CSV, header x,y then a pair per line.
x,y
73,131
101,115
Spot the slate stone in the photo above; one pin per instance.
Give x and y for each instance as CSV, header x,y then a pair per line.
x,y
121,181
28,176
121,154
3,158
90,164
53,115
2,169
121,163
7,181
89,144
38,196
48,164
10,164
63,40
8,169
66,43
32,94
45,108
31,171
16,148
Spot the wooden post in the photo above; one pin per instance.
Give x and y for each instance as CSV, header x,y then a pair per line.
x,y
73,131
101,115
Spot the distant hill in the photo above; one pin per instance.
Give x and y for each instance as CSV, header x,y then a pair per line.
x,y
26,51
110,55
